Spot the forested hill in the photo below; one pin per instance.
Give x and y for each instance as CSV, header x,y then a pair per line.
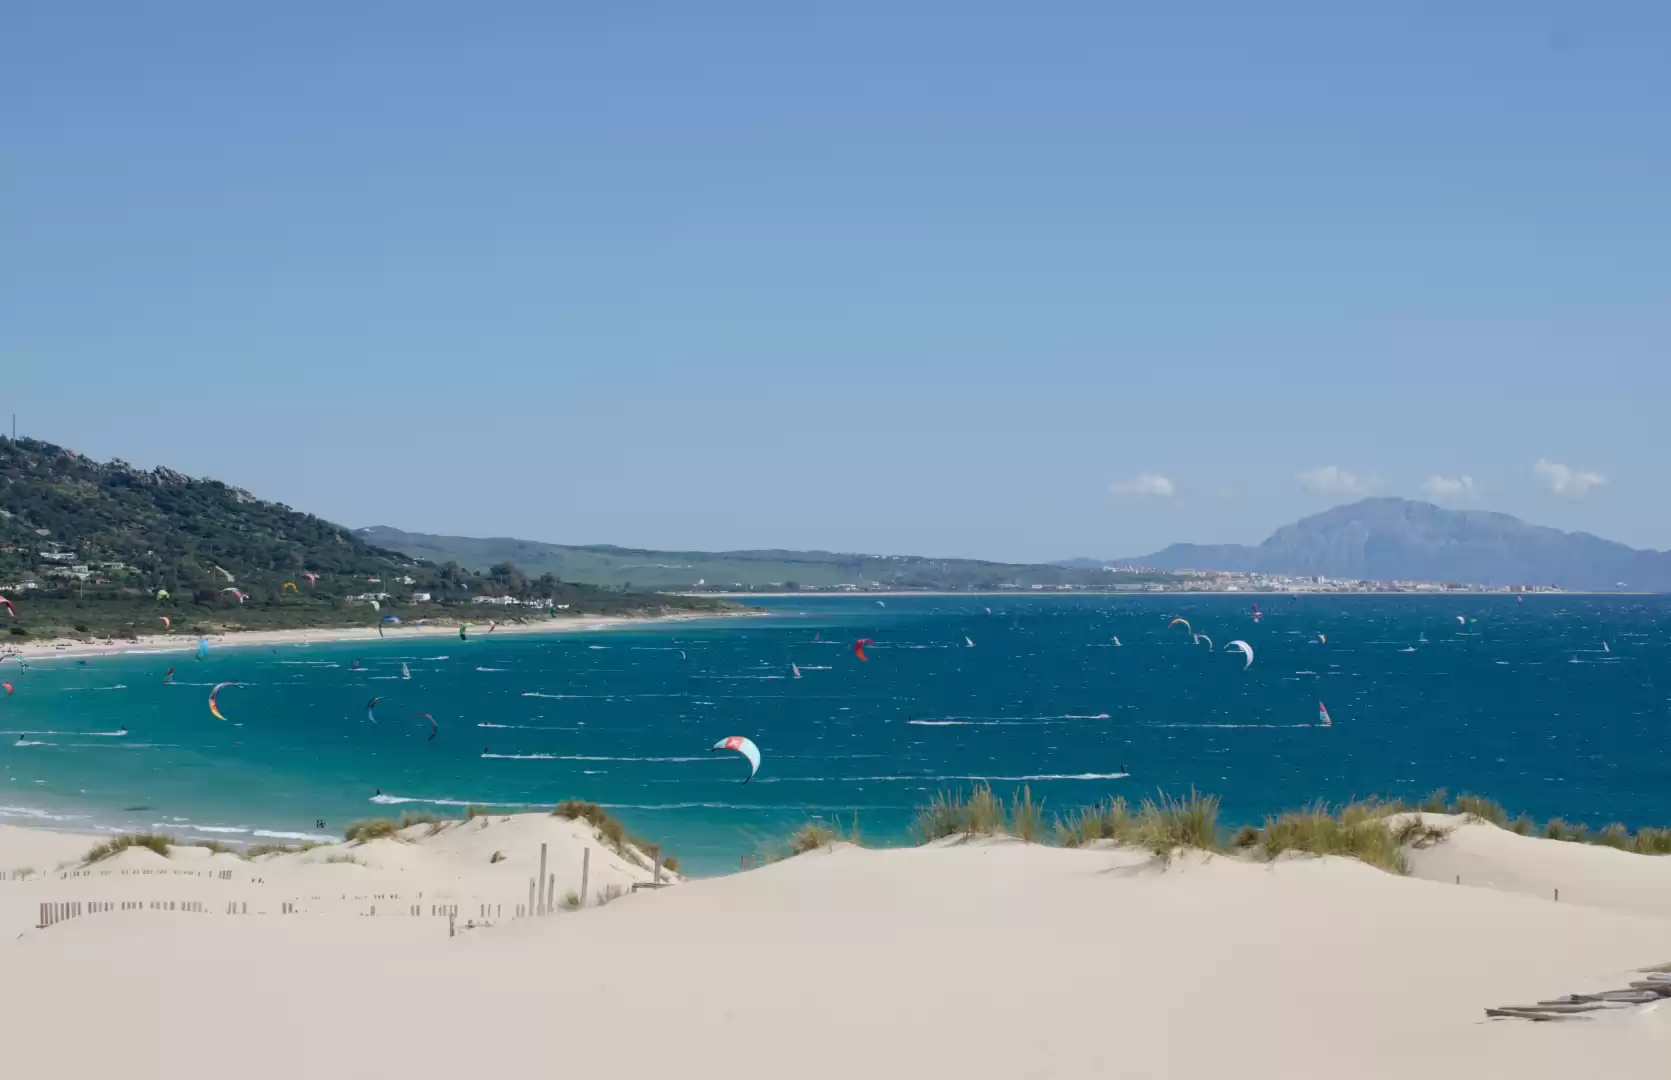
x,y
104,539
744,571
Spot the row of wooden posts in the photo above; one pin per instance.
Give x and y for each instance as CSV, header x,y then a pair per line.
x,y
52,914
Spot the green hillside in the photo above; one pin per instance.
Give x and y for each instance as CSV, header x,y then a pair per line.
x,y
115,549
745,570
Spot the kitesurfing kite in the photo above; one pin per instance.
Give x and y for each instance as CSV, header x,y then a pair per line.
x,y
9,688
1175,622
433,726
212,706
162,594
9,606
1323,716
313,579
291,585
859,647
492,626
1243,648
371,709
1199,638
1460,621
1322,639
239,593
386,619
744,747
167,624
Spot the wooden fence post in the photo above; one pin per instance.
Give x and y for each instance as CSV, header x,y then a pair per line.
x,y
585,873
545,898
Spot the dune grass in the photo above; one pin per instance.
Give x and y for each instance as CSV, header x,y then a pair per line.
x,y
977,813
1478,808
471,813
255,851
1360,830
571,901
1026,817
812,836
216,847
1167,823
117,844
371,829
341,857
612,832
1111,820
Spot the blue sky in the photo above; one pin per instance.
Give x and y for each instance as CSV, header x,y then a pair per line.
x,y
932,277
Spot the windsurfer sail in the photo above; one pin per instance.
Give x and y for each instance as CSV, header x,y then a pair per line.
x,y
1323,716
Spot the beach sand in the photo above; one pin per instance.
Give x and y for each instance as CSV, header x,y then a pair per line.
x,y
172,643
987,958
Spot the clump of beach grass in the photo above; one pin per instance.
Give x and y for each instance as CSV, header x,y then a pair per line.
x,y
1026,816
1478,808
1652,842
1436,803
340,858
571,901
471,813
977,813
1358,830
215,846
1614,836
812,836
117,844
410,818
255,851
1167,823
612,832
1111,820
371,829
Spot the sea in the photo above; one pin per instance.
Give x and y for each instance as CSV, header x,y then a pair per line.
x,y
1555,705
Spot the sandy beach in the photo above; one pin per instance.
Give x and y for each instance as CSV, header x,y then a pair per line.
x,y
980,958
179,643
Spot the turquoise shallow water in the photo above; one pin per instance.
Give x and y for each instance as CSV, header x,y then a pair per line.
x,y
1521,702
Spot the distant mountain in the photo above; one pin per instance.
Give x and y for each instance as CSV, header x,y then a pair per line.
x,y
1388,538
603,564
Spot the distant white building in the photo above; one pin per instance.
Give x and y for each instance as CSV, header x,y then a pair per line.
x,y
420,598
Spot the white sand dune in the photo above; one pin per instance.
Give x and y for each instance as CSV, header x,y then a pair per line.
x,y
980,959
1483,856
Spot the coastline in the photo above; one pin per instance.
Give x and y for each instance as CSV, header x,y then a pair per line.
x,y
1303,966
148,644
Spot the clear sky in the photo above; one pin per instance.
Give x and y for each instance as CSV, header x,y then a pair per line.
x,y
1020,281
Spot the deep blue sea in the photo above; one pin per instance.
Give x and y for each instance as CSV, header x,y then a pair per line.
x,y
1557,705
